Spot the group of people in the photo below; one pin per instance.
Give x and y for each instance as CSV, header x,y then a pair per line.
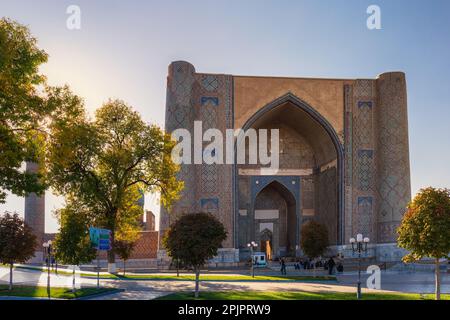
x,y
327,264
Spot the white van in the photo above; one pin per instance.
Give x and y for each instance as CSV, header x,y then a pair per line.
x,y
259,259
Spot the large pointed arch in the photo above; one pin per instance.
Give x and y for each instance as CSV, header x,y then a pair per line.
x,y
331,133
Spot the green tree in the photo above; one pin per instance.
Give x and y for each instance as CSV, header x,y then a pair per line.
x,y
124,249
23,109
106,161
425,228
193,239
127,236
72,242
17,242
177,264
314,239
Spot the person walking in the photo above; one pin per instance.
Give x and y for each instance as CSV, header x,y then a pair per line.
x,y
283,266
331,265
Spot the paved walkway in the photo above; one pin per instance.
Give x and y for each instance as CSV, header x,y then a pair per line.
x,y
153,289
413,282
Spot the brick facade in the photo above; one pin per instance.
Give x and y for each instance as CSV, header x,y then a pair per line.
x,y
146,247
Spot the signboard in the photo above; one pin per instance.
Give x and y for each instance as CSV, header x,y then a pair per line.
x,y
100,238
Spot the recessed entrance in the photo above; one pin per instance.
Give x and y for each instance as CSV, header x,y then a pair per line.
x,y
311,174
275,220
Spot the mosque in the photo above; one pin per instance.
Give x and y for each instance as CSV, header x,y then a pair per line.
x,y
343,161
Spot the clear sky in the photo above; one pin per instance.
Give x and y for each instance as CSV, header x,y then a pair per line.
x,y
124,47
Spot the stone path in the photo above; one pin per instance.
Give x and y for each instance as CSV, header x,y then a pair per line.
x,y
152,289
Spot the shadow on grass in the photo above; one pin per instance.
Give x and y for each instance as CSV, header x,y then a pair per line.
x,y
299,295
57,293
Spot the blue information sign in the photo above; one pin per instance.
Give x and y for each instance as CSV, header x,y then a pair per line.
x,y
100,238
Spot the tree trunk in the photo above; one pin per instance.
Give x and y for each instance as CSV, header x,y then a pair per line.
x,y
10,276
438,280
197,280
112,256
178,269
73,279
124,261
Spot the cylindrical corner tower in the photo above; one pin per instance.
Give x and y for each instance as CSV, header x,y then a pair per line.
x,y
180,114
35,212
393,171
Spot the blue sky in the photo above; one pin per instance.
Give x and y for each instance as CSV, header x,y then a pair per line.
x,y
124,47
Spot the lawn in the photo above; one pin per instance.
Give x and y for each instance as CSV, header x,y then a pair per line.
x,y
301,295
209,277
206,277
59,293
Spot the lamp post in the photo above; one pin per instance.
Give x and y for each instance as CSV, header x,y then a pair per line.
x,y
56,261
252,245
359,245
48,250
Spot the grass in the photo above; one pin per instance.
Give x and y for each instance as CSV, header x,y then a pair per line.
x,y
173,277
301,295
58,293
226,278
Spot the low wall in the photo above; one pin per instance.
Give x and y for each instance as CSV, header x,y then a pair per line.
x,y
146,247
388,252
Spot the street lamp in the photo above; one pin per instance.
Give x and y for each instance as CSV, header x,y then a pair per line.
x,y
359,245
48,250
252,245
56,261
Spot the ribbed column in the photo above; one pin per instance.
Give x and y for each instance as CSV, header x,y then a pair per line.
x,y
393,174
363,186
